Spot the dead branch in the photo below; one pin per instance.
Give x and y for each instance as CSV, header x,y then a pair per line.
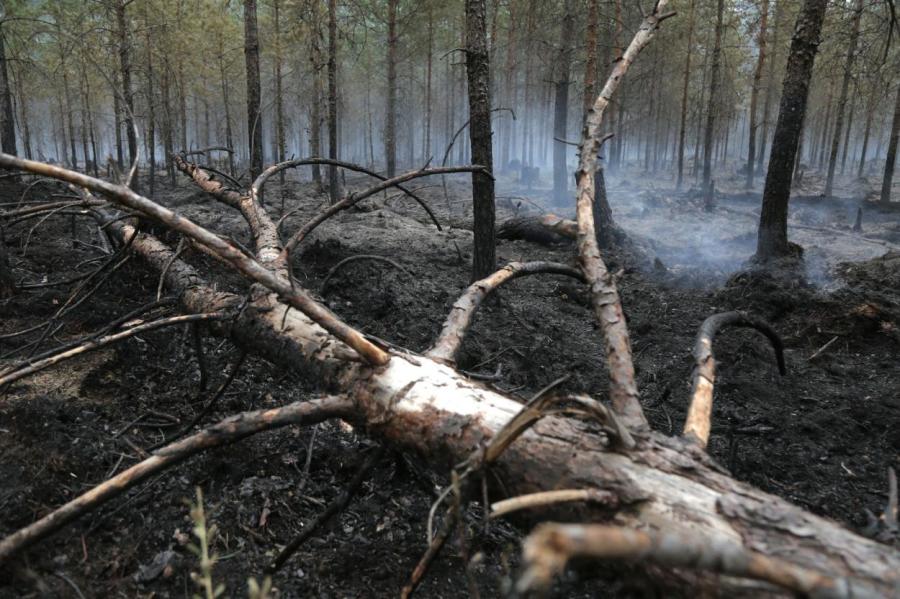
x,y
262,228
226,432
29,369
257,186
698,421
346,261
204,151
547,550
605,297
295,296
339,504
353,199
546,498
460,318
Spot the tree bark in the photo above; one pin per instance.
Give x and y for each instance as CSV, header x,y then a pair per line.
x,y
151,116
891,160
684,94
254,120
562,72
127,92
334,190
770,88
279,93
772,239
754,91
845,88
7,118
870,113
390,117
712,106
317,64
7,280
478,71
590,63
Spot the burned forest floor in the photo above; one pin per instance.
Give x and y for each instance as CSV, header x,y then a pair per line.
x,y
823,436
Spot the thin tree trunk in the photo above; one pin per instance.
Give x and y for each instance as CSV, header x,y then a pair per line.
x,y
684,94
772,241
390,117
251,57
754,92
168,137
7,118
426,144
478,71
845,88
127,93
891,160
770,88
279,99
712,107
819,149
853,98
590,64
24,119
333,185
870,112
562,71
117,110
509,90
615,108
151,116
315,117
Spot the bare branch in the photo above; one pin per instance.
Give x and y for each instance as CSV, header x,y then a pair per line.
x,y
346,261
226,432
460,318
605,297
698,422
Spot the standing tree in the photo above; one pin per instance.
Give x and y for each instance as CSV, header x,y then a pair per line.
x,y
754,91
891,160
712,107
7,122
478,70
390,117
772,242
333,187
251,57
684,94
125,73
561,111
845,88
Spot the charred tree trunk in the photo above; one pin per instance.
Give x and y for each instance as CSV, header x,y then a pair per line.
x,y
845,88
7,117
562,73
151,118
390,117
478,71
279,94
7,280
127,92
167,121
684,94
334,190
770,89
870,113
712,107
426,142
772,241
251,57
890,161
754,92
846,150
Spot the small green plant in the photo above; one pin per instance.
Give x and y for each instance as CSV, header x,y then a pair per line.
x,y
205,535
204,578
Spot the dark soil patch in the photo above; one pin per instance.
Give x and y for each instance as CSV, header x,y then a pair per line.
x,y
823,436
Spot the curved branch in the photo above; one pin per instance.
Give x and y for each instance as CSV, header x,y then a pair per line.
x,y
460,318
203,151
257,186
623,390
698,421
225,432
547,550
252,269
352,199
346,261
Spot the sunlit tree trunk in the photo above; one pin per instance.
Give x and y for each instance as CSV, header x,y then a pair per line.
x,y
772,240
478,71
754,91
251,57
845,88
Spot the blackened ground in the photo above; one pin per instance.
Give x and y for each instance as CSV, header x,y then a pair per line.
x,y
823,436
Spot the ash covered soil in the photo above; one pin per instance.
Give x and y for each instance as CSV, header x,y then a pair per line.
x,y
823,436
